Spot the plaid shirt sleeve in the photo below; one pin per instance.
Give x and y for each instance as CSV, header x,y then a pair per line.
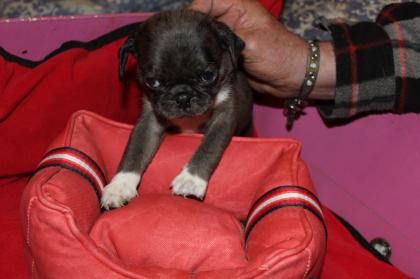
x,y
377,63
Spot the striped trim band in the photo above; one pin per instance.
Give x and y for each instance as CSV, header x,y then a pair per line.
x,y
77,162
280,197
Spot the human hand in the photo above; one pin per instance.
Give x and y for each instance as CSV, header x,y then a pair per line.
x,y
274,58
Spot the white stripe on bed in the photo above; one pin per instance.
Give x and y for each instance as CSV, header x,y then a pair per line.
x,y
77,161
284,196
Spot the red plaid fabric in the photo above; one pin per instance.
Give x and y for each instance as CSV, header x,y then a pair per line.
x,y
378,64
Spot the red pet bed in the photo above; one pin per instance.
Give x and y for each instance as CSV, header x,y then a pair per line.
x,y
259,181
260,217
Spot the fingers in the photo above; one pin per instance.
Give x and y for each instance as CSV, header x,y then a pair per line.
x,y
215,8
203,6
227,11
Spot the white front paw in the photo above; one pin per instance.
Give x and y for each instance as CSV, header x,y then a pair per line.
x,y
120,190
187,184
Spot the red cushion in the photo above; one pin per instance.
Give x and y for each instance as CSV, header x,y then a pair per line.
x,y
261,181
171,232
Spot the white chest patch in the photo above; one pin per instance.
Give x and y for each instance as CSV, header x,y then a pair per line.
x,y
223,95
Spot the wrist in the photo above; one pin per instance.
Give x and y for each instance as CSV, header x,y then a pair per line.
x,y
296,63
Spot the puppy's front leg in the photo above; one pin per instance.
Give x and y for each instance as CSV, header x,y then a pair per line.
x,y
194,177
142,145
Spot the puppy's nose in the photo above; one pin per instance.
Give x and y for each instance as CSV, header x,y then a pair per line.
x,y
183,100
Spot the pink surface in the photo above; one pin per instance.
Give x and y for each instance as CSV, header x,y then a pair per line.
x,y
368,171
34,38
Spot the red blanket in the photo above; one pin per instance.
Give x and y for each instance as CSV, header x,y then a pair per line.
x,y
36,100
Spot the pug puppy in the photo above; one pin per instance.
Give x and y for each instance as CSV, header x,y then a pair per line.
x,y
188,69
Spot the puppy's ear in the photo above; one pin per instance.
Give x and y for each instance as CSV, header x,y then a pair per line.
x,y
127,48
230,41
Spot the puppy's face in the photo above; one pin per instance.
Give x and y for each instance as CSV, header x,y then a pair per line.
x,y
184,59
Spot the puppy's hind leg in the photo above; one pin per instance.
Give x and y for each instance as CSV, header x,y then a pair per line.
x,y
142,145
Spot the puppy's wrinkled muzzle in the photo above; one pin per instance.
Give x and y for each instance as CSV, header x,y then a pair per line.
x,y
183,95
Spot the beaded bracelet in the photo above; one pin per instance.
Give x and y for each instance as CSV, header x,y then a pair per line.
x,y
294,106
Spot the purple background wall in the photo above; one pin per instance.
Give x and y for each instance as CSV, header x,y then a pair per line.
x,y
368,171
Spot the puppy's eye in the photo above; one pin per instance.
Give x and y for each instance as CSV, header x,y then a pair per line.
x,y
153,83
208,76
